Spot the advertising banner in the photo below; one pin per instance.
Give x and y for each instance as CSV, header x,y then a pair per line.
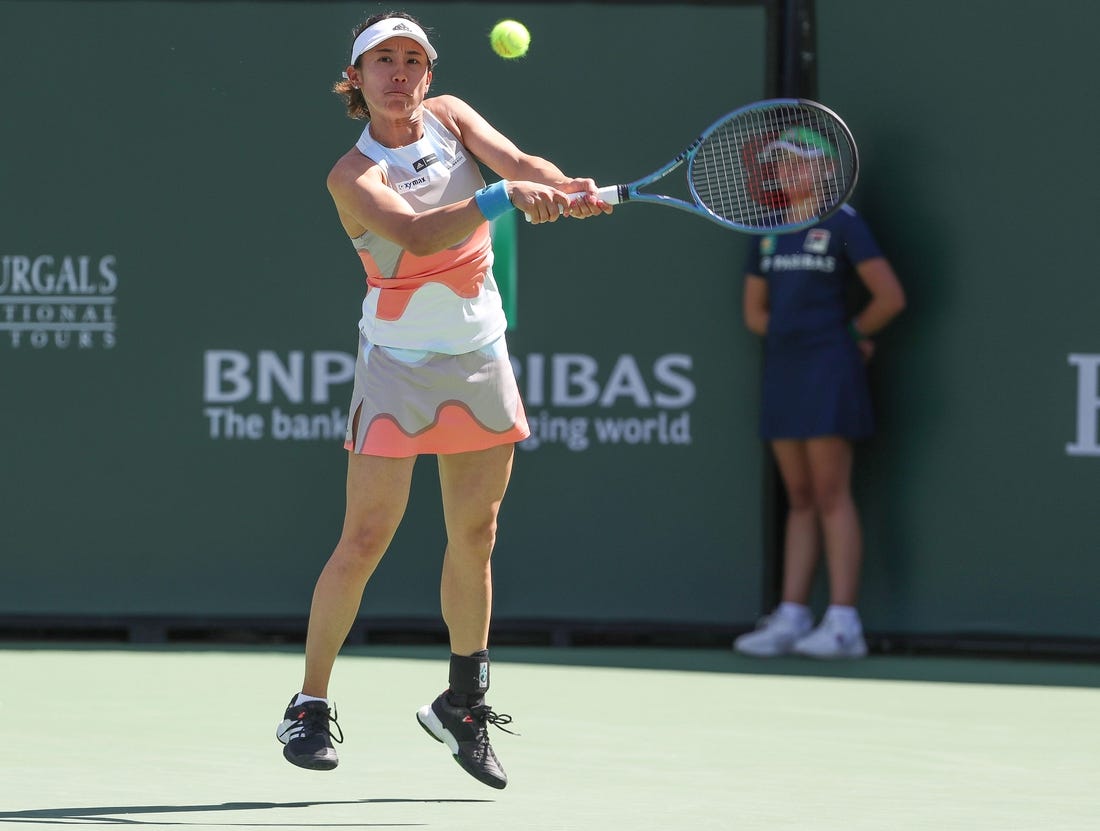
x,y
178,310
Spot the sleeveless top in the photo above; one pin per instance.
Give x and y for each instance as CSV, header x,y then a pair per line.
x,y
445,302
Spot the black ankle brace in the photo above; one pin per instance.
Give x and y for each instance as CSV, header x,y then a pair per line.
x,y
469,678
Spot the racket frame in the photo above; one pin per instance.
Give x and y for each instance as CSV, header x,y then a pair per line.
x,y
631,192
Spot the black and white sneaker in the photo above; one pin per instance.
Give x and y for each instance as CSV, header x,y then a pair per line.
x,y
464,731
306,730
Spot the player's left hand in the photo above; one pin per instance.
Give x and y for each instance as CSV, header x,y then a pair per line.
x,y
583,201
541,203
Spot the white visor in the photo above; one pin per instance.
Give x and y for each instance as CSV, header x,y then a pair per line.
x,y
800,150
391,27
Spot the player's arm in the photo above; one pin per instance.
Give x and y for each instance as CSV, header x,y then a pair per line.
x,y
887,296
364,201
524,171
754,304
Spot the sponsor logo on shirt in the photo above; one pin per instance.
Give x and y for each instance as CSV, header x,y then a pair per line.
x,y
767,246
798,262
427,161
817,241
411,184
423,164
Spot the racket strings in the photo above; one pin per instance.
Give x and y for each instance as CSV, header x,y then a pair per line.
x,y
737,171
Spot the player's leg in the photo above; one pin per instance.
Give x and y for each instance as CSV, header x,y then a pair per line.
x,y
377,494
473,486
376,498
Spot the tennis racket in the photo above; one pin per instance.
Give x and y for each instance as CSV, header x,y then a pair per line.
x,y
746,168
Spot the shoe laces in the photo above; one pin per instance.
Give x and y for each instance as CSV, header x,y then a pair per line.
x,y
314,720
484,714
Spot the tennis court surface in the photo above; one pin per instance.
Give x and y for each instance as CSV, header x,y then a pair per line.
x,y
612,739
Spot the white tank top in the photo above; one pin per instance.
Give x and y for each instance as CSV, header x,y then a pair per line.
x,y
445,302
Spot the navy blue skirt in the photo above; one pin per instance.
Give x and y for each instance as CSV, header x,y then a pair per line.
x,y
816,391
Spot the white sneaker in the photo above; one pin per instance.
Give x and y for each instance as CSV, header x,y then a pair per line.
x,y
774,635
832,640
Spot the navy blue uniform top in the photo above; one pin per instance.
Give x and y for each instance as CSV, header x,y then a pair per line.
x,y
814,381
808,275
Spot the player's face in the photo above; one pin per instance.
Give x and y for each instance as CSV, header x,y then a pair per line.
x,y
394,76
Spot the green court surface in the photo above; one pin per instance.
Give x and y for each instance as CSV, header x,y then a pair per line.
x,y
612,740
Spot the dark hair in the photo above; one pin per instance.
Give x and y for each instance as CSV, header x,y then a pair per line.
x,y
353,96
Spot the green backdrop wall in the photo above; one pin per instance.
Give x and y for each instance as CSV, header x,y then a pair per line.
x,y
178,308
980,493
178,314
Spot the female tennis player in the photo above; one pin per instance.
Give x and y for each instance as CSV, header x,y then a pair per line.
x,y
815,399
432,375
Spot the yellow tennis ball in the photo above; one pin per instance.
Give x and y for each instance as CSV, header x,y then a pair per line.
x,y
510,39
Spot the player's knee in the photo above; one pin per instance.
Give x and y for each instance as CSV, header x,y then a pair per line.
x,y
361,548
475,539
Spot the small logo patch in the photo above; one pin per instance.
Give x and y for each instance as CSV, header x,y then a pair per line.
x,y
412,184
483,675
817,241
427,161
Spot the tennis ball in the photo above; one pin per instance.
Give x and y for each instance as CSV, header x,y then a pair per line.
x,y
510,39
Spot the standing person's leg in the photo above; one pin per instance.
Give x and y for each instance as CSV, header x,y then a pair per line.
x,y
377,494
840,634
473,486
778,632
831,466
802,535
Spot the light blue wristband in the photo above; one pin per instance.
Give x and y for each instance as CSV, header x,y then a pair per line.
x,y
493,201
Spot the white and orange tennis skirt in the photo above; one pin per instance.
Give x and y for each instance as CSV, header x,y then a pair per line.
x,y
409,401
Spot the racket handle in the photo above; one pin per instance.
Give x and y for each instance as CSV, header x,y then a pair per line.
x,y
612,195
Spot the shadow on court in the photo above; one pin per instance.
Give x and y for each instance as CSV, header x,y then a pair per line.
x,y
111,814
